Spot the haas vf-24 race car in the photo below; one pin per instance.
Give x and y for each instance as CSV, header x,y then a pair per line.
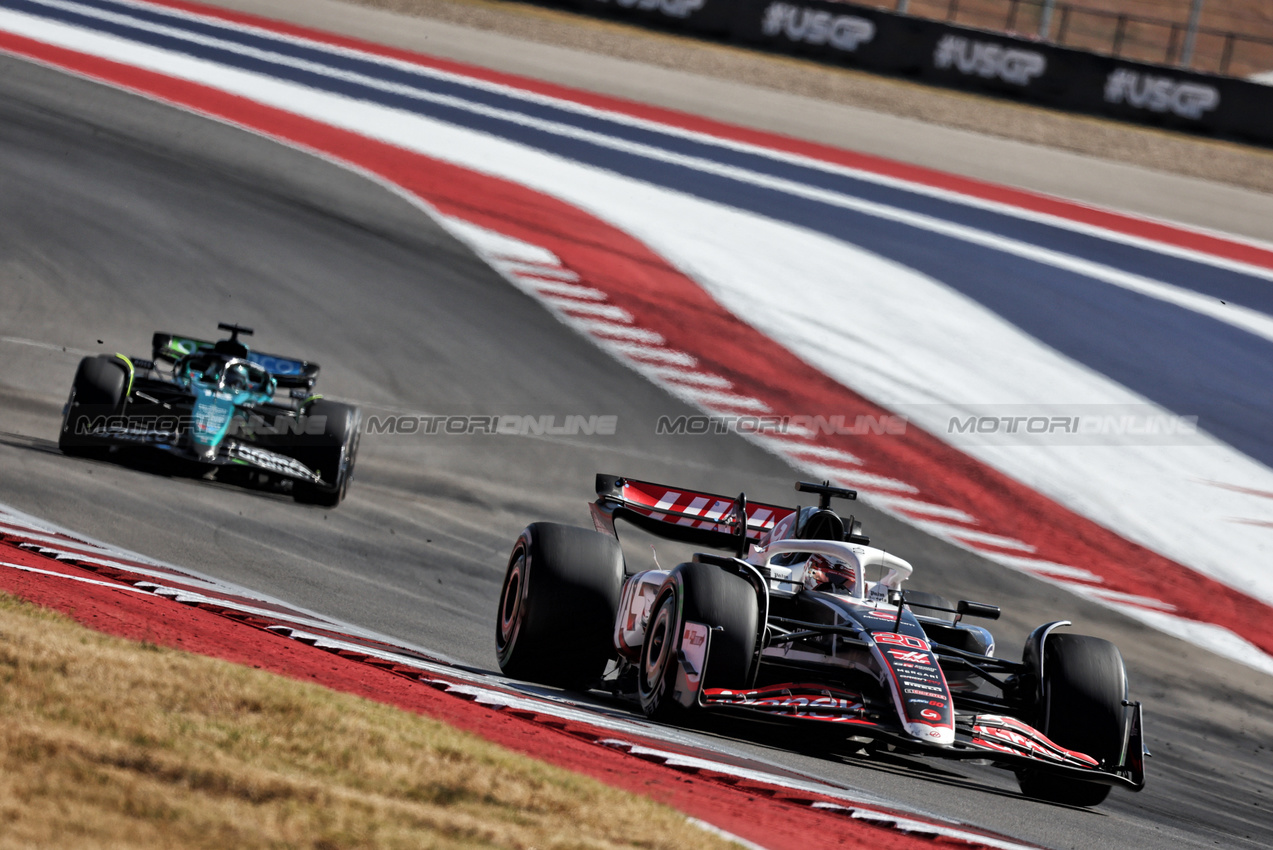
x,y
216,405
788,626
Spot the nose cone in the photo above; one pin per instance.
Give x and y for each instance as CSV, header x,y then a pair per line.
x,y
938,733
209,423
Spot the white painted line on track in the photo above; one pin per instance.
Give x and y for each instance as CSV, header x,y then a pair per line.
x,y
14,340
684,376
608,330
113,585
969,535
575,307
857,479
806,451
567,289
653,354
1048,568
722,401
922,828
720,833
916,506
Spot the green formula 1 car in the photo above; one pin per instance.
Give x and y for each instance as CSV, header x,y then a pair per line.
x,y
216,404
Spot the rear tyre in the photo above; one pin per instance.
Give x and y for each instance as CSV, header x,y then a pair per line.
x,y
333,455
97,391
557,606
702,593
1084,686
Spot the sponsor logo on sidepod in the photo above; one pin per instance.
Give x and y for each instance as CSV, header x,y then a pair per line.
x,y
989,60
1160,94
817,26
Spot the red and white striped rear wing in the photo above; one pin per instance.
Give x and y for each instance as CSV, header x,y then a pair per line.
x,y
688,516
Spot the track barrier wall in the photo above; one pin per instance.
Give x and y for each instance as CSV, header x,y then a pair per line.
x,y
965,58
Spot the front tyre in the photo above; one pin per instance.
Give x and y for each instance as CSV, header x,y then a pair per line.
x,y
557,606
97,392
700,593
332,455
1084,687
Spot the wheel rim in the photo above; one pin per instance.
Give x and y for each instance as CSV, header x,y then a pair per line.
x,y
510,603
657,649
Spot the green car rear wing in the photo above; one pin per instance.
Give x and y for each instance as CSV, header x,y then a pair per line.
x,y
289,372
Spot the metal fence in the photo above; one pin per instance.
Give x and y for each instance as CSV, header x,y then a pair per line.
x,y
1125,36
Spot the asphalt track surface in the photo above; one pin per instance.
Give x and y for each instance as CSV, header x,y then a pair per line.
x,y
119,217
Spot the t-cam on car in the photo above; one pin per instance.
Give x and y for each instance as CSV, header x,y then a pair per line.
x,y
216,405
788,626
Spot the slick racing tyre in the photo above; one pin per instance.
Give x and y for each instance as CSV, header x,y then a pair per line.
x,y
701,593
1084,686
557,607
332,456
97,392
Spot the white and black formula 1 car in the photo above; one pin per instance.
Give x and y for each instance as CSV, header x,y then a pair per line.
x,y
789,626
216,405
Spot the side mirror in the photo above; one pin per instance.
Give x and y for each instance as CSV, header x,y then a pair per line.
x,y
977,609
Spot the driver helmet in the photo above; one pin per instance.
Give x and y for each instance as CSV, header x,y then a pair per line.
x,y
830,575
236,377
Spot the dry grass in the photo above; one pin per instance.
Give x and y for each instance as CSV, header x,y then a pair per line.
x,y
108,743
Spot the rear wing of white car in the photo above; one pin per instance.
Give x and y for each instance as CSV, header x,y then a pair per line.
x,y
689,516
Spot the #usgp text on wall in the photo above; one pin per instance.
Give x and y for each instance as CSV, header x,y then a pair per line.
x,y
960,57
